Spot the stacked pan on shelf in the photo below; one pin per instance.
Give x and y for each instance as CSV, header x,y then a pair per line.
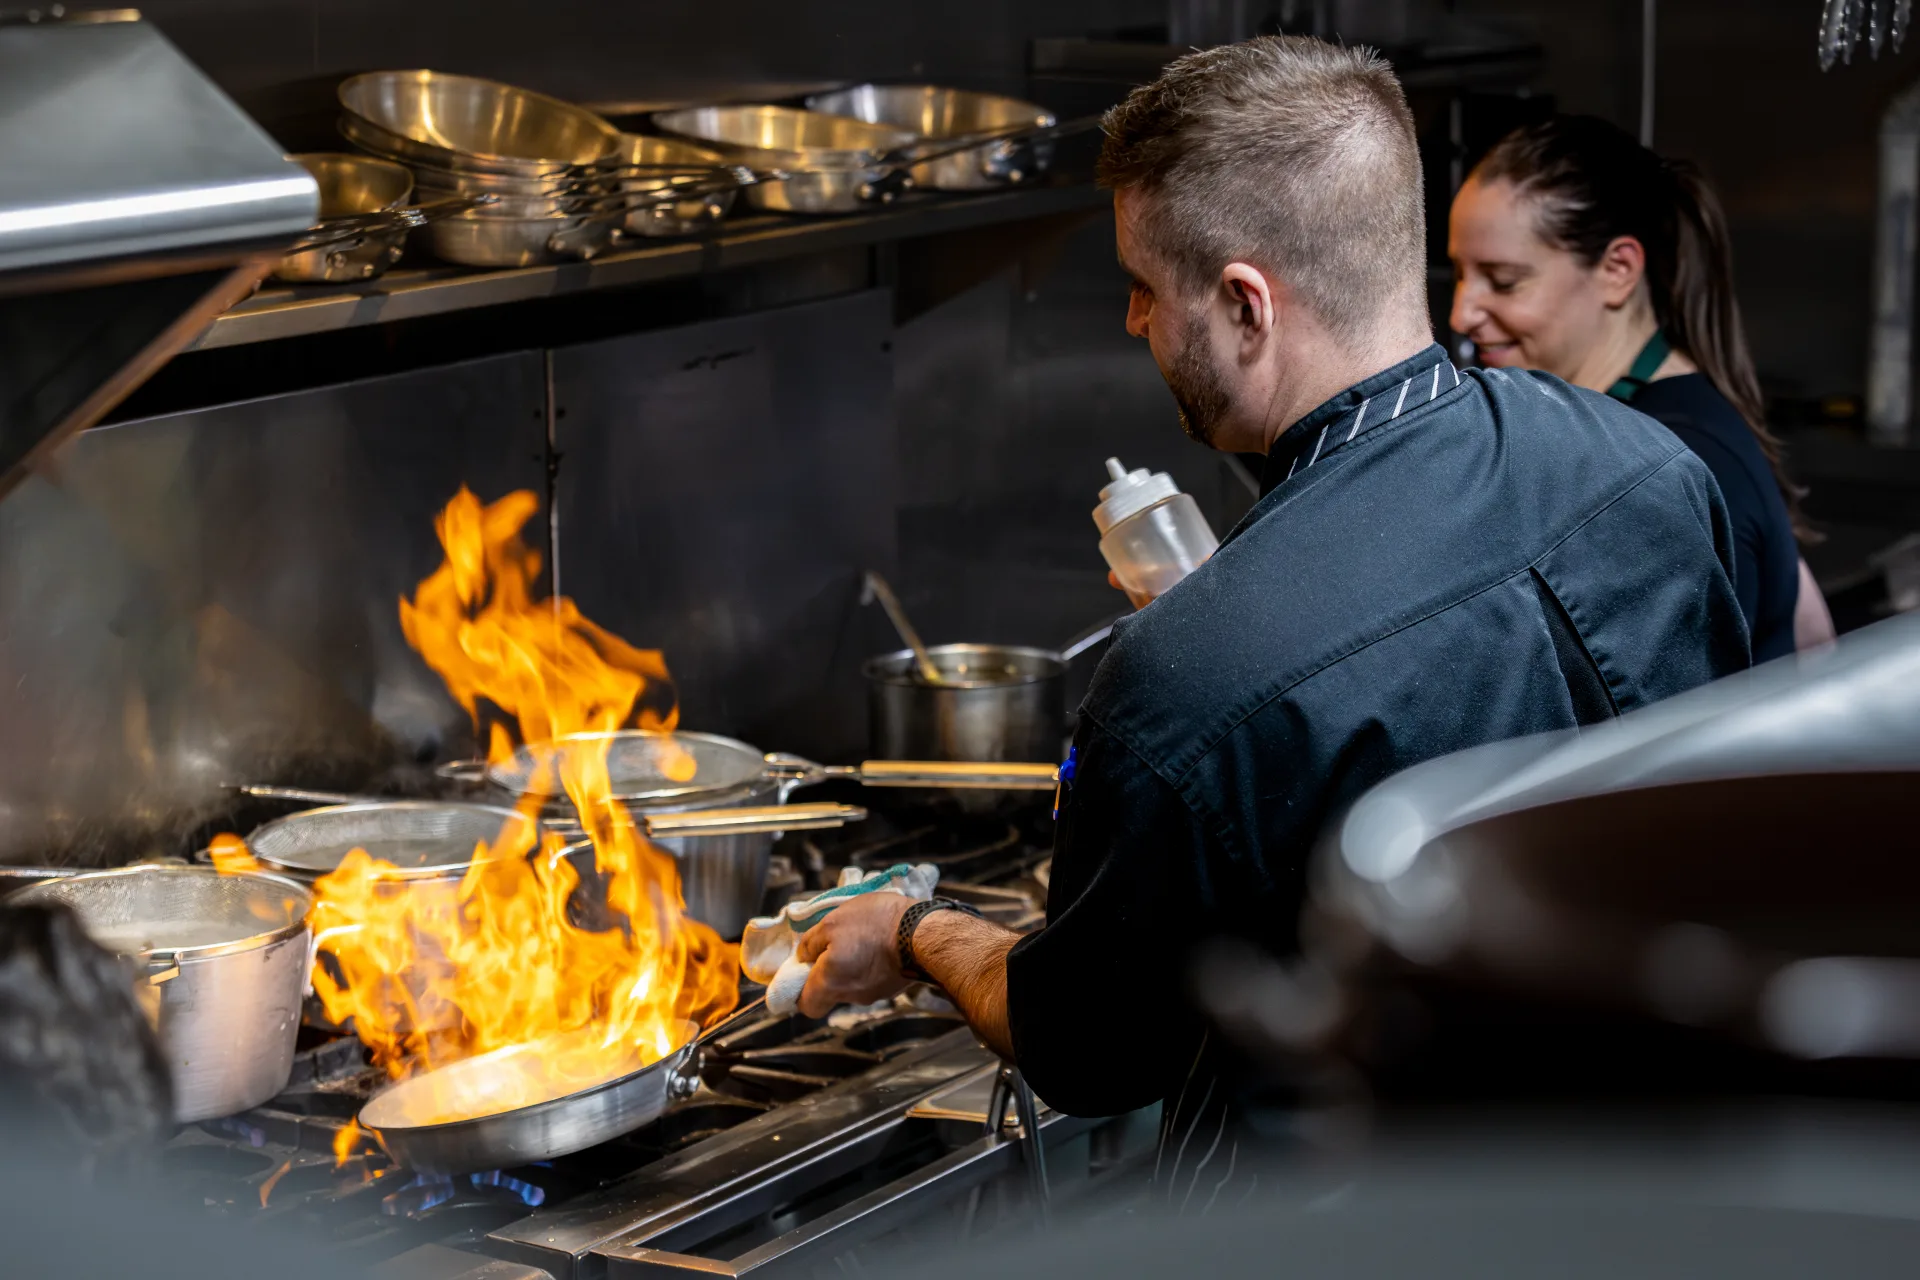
x,y
561,182
504,177
543,161
858,147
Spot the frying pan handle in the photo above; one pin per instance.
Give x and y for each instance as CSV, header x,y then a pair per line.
x,y
1013,135
965,774
684,1081
888,187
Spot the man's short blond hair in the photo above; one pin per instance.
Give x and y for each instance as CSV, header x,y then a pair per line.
x,y
1290,153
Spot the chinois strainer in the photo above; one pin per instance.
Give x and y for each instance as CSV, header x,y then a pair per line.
x,y
421,839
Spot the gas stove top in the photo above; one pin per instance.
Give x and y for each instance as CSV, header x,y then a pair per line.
x,y
806,1140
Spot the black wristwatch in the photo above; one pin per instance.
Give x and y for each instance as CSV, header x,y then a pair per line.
x,y
909,921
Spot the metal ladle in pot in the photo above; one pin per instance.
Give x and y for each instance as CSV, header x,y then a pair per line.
x,y
876,588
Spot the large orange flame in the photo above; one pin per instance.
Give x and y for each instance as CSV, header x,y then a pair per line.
x,y
430,974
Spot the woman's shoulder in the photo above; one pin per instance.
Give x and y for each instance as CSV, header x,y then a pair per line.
x,y
1691,407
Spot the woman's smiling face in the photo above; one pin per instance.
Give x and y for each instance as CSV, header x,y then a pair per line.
x,y
1523,302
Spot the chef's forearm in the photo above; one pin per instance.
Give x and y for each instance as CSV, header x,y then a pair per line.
x,y
968,957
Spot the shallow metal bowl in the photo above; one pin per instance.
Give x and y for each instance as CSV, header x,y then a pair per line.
x,y
466,122
936,113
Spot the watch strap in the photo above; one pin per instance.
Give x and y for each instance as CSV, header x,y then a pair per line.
x,y
909,921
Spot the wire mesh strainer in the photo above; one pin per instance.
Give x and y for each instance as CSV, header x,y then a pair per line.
x,y
644,765
423,839
185,912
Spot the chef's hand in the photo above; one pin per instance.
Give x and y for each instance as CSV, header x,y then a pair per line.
x,y
853,953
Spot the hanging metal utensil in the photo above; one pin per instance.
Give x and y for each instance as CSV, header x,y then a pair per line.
x,y
1844,24
1833,22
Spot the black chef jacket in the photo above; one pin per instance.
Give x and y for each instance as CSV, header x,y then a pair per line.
x,y
1766,559
1440,560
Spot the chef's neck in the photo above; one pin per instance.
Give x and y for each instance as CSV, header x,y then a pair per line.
x,y
1318,364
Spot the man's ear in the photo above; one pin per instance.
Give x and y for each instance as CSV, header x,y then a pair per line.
x,y
1250,297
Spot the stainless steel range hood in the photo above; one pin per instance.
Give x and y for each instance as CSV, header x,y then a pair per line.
x,y
137,202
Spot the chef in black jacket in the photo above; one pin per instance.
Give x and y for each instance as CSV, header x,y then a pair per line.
x,y
1440,558
1578,251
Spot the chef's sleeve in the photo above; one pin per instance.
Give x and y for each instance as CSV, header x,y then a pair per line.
x,y
1098,1001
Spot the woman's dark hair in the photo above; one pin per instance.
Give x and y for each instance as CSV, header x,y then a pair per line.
x,y
1592,183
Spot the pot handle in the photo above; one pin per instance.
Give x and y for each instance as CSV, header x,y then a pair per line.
x,y
965,774
1087,639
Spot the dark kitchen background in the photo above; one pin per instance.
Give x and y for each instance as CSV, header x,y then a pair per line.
x,y
202,591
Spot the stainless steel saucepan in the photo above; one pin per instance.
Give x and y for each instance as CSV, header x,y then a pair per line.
x,y
978,702
230,956
449,1120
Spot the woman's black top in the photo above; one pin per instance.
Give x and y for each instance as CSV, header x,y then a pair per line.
x,y
1766,563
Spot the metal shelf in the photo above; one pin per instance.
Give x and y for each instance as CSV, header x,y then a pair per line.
x,y
409,294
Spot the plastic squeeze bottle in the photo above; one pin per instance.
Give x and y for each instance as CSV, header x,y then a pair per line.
x,y
1152,534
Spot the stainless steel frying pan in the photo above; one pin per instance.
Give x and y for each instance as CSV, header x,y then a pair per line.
x,y
412,1120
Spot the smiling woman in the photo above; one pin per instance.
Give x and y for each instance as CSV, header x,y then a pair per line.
x,y
1580,252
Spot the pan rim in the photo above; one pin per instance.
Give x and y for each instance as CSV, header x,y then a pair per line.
x,y
414,1131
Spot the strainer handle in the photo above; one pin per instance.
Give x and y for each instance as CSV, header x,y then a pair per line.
x,y
301,795
792,772
464,770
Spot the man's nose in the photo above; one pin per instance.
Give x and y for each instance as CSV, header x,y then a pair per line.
x,y
1138,310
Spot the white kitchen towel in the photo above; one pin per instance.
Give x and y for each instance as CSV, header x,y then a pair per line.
x,y
768,947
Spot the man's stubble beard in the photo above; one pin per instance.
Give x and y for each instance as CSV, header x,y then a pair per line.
x,y
1199,391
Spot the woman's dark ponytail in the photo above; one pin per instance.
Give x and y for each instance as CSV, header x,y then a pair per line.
x,y
1594,183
